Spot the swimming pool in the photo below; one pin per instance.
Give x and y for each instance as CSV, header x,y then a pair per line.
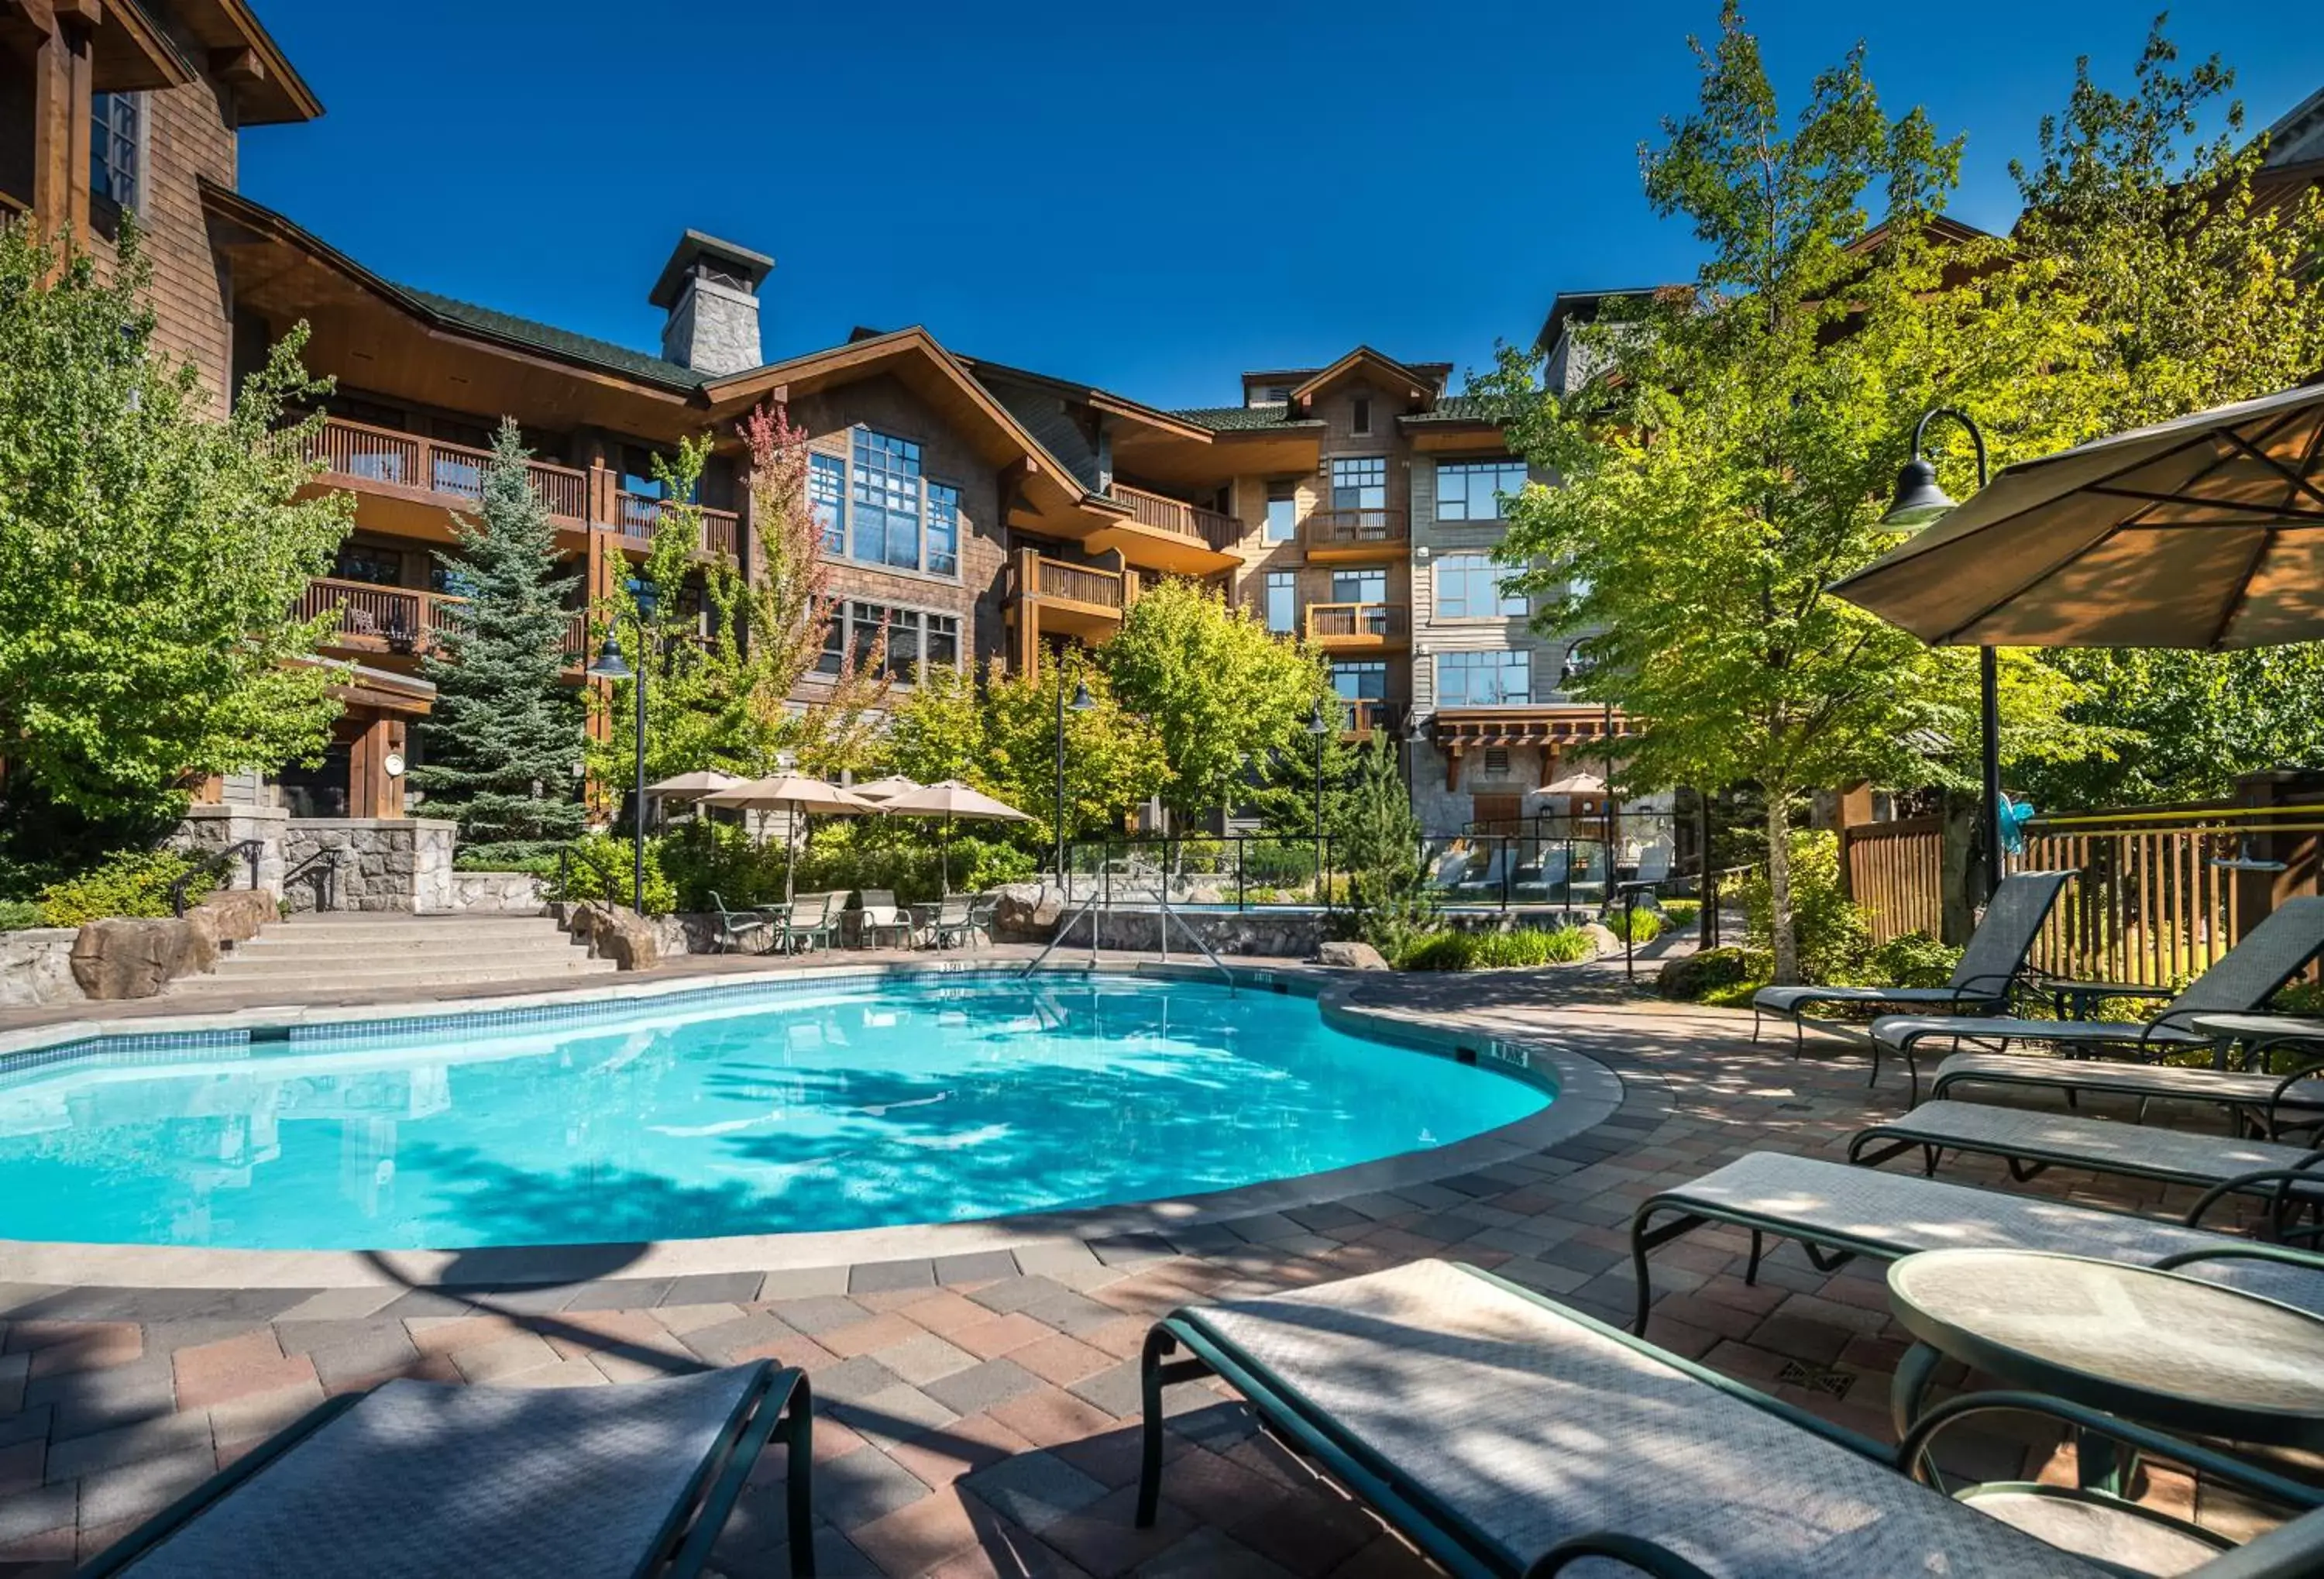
x,y
846,1103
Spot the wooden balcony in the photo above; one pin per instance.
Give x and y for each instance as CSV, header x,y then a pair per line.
x,y
1046,597
1207,527
1168,535
404,620
418,479
1360,719
1359,627
1355,535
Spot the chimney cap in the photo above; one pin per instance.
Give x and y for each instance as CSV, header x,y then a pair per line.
x,y
695,246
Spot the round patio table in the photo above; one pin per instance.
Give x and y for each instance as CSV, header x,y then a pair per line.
x,y
2166,1350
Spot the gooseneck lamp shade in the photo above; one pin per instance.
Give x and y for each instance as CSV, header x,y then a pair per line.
x,y
610,664
1918,500
1316,725
1083,701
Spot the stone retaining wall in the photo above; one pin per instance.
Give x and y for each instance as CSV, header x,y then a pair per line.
x,y
488,892
384,864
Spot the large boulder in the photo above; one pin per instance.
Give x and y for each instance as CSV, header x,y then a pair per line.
x,y
619,933
1601,938
1350,956
1027,912
232,915
119,957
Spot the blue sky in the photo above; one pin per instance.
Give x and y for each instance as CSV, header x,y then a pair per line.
x,y
1152,198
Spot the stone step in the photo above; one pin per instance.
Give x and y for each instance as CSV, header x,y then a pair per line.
x,y
244,961
229,979
396,927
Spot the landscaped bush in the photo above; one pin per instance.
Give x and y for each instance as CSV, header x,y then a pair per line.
x,y
1456,950
133,883
1641,925
603,868
1913,960
1680,914
1716,976
16,915
1832,932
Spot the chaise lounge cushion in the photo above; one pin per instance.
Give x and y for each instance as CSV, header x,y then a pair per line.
x,y
1534,1428
1790,999
2099,1144
1895,1030
2130,1079
424,1478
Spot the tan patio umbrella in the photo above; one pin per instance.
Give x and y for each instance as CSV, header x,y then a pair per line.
x,y
799,797
951,798
886,789
2207,533
694,786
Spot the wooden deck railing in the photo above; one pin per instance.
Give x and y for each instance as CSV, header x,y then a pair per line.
x,y
362,453
403,619
1895,871
1079,583
2152,902
1362,717
1325,528
1175,516
641,515
1347,620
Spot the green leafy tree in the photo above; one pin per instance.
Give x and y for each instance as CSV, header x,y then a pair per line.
x,y
1733,461
1217,690
506,729
149,556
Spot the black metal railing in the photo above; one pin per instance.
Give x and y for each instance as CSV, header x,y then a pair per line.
x,y
321,869
211,867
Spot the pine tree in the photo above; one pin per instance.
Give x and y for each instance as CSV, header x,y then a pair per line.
x,y
1386,894
506,729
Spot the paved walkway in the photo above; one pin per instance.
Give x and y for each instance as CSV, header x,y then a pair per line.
x,y
977,1413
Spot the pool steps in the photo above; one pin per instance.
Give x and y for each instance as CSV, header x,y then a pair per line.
x,y
357,952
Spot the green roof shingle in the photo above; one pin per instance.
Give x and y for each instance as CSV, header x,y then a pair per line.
x,y
1243,418
558,342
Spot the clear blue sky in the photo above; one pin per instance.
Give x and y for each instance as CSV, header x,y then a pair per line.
x,y
1148,197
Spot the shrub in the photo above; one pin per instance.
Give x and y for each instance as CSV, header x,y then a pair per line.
x,y
1642,926
1833,933
1680,914
1456,950
133,884
1913,960
1703,977
16,914
603,868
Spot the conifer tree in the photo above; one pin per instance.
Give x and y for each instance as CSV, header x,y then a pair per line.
x,y
506,729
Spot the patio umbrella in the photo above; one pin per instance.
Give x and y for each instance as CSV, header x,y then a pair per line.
x,y
2206,532
886,789
797,797
948,800
693,786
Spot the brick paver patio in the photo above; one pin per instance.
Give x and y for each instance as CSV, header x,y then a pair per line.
x,y
976,1414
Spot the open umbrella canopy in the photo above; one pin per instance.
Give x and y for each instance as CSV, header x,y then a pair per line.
x,y
693,786
2206,532
886,789
1576,782
952,799
794,792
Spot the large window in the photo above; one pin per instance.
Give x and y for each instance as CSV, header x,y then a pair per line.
x,y
1484,680
826,496
1282,601
1360,483
116,150
944,529
886,501
1359,586
1469,587
1472,490
1282,514
915,637
1361,681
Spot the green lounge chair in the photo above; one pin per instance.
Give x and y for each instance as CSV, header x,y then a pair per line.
x,y
879,916
814,922
2272,1104
1838,1212
1511,1439
1990,969
2271,955
420,1478
736,927
952,923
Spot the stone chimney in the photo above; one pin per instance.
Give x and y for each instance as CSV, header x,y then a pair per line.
x,y
710,289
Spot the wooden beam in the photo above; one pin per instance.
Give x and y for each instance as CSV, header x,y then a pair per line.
x,y
243,66
24,26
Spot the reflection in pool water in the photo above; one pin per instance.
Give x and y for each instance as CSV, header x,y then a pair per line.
x,y
868,1103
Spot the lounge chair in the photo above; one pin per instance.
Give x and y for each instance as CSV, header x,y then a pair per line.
x,y
950,924
2273,1105
2271,955
1989,967
814,921
1507,1436
1838,1212
2030,1141
738,926
418,1477
880,917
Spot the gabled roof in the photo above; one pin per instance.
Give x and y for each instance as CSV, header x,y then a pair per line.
x,y
1090,395
1244,419
268,89
1455,408
1363,361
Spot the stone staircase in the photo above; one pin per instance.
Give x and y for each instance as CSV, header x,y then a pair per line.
x,y
370,953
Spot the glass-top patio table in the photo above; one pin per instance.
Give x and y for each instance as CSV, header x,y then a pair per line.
x,y
2160,1348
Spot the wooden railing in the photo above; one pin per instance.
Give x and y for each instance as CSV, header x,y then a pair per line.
x,y
641,515
362,453
1078,583
1325,528
1349,621
1361,718
2152,900
1206,526
403,619
1895,871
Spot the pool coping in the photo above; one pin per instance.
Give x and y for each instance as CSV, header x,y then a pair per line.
x,y
1586,1092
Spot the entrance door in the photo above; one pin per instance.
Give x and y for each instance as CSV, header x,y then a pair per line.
x,y
1498,813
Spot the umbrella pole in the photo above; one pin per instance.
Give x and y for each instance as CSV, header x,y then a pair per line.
x,y
790,853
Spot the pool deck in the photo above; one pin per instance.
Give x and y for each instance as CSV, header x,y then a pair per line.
x,y
977,1407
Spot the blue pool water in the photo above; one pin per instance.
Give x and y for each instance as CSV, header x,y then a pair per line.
x,y
847,1106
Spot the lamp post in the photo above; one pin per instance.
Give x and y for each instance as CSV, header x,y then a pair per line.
x,y
610,666
1081,703
1918,501
1318,729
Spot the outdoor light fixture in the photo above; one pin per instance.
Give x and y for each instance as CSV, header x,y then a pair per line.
x,y
1918,501
610,665
1319,729
1081,703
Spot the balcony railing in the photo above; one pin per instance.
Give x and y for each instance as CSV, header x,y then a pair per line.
x,y
1357,622
1078,583
402,619
1340,529
641,515
363,454
1207,527
1362,717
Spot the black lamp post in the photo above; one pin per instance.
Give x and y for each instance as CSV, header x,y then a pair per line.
x,y
1918,501
1319,729
610,666
1081,703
